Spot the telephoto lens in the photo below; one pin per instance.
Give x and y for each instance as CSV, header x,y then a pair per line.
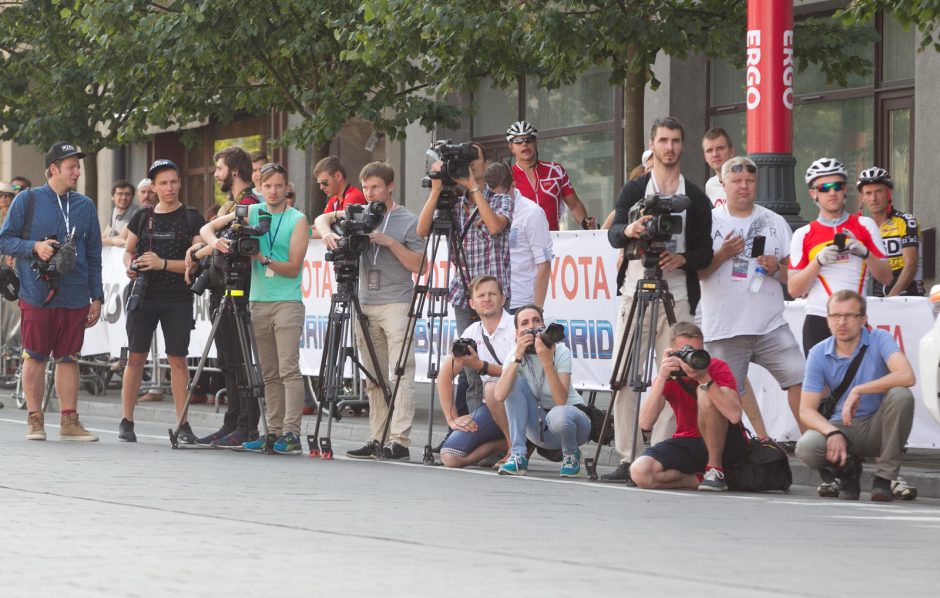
x,y
697,359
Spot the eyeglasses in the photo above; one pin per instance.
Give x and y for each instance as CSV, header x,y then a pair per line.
x,y
523,140
272,167
829,187
739,168
10,195
323,183
844,317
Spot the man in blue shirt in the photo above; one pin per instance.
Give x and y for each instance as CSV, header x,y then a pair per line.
x,y
60,295
873,418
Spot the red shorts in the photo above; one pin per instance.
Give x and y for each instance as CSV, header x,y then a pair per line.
x,y
56,331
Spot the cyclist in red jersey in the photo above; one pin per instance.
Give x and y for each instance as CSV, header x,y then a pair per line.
x,y
545,183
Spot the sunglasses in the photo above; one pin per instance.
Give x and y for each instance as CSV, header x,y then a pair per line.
x,y
289,196
272,167
827,187
20,188
739,168
323,183
10,195
523,140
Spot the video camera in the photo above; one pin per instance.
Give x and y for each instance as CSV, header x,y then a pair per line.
x,y
232,268
663,224
456,158
551,334
354,228
697,359
62,261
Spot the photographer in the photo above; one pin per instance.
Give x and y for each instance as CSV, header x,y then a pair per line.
x,y
478,351
541,404
53,232
157,240
709,435
686,253
277,309
386,286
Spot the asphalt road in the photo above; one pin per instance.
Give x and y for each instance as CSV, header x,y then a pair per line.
x,y
115,519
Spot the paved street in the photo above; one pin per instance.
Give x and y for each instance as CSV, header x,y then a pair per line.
x,y
114,519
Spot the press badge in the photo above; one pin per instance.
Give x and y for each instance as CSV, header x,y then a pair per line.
x,y
374,280
739,270
268,272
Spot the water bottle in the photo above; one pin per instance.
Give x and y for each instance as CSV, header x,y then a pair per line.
x,y
758,279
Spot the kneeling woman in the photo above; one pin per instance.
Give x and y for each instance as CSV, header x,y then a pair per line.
x,y
540,403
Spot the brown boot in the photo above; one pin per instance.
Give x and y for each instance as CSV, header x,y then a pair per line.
x,y
36,429
72,429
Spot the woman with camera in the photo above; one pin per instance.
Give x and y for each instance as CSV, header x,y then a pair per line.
x,y
541,404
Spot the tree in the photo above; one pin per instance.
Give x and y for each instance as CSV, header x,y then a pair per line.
x,y
924,14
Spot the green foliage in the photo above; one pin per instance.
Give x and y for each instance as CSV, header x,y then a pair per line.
x,y
923,14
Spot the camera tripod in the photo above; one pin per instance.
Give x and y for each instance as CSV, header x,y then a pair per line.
x,y
336,349
633,364
442,229
248,374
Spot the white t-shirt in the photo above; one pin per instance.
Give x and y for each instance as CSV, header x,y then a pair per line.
x,y
728,307
530,244
503,338
676,278
715,192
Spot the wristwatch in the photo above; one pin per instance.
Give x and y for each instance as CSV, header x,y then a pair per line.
x,y
706,385
482,371
474,190
265,261
518,360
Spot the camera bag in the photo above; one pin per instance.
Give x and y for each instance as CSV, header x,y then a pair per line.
x,y
827,405
765,468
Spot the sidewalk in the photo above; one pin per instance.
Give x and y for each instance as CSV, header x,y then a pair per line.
x,y
920,467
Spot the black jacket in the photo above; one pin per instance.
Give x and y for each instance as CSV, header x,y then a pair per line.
x,y
698,230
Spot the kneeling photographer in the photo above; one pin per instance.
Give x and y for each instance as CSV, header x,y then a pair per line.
x,y
709,435
277,309
541,404
157,240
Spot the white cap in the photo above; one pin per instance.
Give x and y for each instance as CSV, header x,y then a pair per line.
x,y
144,183
646,156
6,187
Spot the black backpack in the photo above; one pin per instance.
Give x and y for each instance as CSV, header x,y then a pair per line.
x,y
766,467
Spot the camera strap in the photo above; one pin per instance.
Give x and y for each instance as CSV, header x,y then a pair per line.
x,y
850,374
489,347
150,213
30,210
688,388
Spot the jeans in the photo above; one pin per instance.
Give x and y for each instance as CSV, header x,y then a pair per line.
x,y
564,426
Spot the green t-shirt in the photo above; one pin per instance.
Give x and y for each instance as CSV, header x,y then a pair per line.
x,y
276,245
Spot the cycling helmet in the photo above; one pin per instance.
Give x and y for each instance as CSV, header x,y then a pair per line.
x,y
521,129
875,174
824,167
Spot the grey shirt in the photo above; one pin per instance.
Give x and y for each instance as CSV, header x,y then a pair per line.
x,y
395,282
119,221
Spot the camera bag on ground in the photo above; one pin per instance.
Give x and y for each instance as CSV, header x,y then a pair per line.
x,y
765,468
827,405
597,423
9,281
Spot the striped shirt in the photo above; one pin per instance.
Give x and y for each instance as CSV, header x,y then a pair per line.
x,y
485,253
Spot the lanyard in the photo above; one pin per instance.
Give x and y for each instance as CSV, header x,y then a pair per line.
x,y
271,238
65,211
375,256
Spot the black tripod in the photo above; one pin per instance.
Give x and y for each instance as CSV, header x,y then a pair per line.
x,y
633,365
337,347
248,373
442,229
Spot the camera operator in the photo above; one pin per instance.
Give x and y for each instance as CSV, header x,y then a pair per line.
x,y
53,233
709,435
479,352
540,402
386,286
157,240
686,254
277,309
240,424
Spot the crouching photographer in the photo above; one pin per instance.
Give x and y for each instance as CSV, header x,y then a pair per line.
x,y
277,309
157,240
541,404
709,437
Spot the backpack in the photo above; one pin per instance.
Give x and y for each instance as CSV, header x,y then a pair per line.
x,y
766,467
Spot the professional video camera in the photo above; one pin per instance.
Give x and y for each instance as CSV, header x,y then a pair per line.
x,y
551,334
353,230
697,359
462,346
663,224
61,262
456,158
232,268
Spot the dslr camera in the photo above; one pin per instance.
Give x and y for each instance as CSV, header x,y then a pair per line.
x,y
353,229
663,224
462,346
551,334
137,290
61,262
221,269
697,359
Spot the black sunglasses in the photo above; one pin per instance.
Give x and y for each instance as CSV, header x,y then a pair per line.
x,y
739,168
272,167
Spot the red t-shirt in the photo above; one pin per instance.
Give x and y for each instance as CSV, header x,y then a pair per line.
x,y
351,195
686,406
553,184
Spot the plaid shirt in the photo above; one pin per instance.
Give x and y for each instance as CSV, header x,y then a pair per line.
x,y
485,253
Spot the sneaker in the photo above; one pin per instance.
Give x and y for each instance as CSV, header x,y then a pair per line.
x,y
232,440
829,489
258,444
713,481
571,465
881,490
367,451
37,426
211,438
514,465
397,452
308,410
288,444
72,429
186,435
850,489
621,475
902,490
126,431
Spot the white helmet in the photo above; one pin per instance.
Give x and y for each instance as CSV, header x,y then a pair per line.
x,y
872,175
824,167
521,128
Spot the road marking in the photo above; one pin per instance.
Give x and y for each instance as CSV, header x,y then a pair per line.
x,y
890,518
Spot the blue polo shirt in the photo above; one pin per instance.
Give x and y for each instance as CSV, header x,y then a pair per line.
x,y
825,368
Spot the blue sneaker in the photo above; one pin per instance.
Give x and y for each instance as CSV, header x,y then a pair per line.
x,y
288,444
257,446
571,465
233,440
514,465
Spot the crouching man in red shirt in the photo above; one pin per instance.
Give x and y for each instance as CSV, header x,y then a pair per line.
x,y
709,434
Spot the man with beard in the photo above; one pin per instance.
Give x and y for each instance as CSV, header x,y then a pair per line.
x,y
122,196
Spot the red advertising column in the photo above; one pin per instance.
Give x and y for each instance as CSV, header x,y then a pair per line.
x,y
769,73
